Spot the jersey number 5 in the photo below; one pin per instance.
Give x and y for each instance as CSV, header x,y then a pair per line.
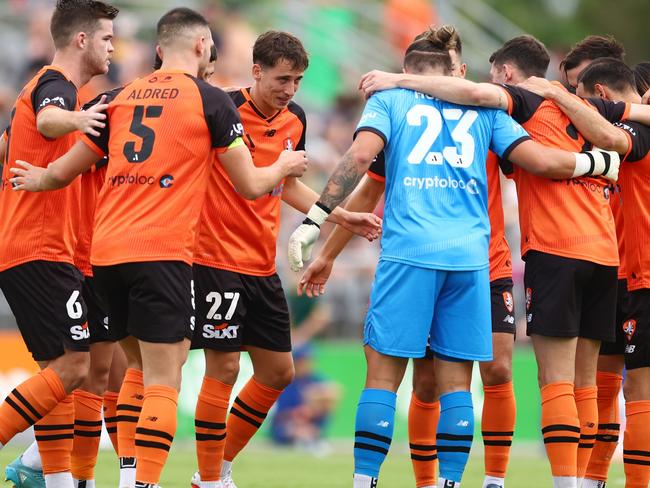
x,y
147,134
460,134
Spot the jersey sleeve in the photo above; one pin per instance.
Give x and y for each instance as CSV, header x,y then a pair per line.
x,y
507,134
221,115
612,111
377,170
522,104
54,90
297,110
99,143
639,136
376,117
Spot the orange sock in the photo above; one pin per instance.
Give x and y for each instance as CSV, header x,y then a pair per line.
x,y
54,437
210,426
155,432
110,414
246,415
636,444
129,405
609,425
87,432
29,402
587,405
560,428
498,426
423,424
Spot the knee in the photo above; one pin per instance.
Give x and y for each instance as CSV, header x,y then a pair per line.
x,y
277,378
496,372
225,369
424,388
72,368
97,380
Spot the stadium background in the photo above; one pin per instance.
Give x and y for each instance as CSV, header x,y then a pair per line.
x,y
344,40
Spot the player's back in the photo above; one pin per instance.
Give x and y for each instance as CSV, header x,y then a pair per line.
x,y
570,218
436,183
38,226
160,134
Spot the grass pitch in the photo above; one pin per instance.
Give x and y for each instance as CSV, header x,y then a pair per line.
x,y
263,466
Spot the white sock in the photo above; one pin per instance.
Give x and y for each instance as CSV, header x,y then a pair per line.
x,y
32,458
84,483
492,480
445,483
210,484
565,482
127,477
587,483
364,481
226,468
59,480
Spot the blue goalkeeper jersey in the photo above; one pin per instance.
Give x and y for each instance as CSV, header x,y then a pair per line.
x,y
436,184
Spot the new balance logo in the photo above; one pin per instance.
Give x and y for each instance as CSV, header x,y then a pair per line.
x,y
463,423
509,319
383,423
152,419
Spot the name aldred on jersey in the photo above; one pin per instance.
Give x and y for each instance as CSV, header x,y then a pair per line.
x,y
159,93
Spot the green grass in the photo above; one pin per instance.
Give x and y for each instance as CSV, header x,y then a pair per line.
x,y
268,467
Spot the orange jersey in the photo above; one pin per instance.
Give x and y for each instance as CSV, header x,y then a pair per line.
x,y
91,183
499,250
569,218
160,134
634,178
240,235
38,226
616,202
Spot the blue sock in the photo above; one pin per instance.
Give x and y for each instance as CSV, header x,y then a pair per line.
x,y
373,430
455,433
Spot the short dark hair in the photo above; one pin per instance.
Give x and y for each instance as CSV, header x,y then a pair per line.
x,y
73,16
418,61
592,48
157,63
273,46
642,77
608,71
525,52
177,20
444,38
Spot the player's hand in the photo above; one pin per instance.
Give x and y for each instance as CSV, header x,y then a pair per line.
x,y
301,243
539,86
294,163
646,98
27,177
90,120
366,225
315,277
377,81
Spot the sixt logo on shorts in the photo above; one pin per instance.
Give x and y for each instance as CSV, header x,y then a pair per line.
x,y
221,331
629,327
79,332
470,186
166,181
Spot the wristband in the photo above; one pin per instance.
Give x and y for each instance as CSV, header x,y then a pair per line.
x,y
317,214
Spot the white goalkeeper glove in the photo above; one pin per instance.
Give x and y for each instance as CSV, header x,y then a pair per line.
x,y
305,236
598,163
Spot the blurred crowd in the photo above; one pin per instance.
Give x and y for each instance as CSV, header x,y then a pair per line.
x,y
328,95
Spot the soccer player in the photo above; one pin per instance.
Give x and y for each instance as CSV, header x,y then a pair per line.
x,y
240,301
554,245
611,79
432,277
39,235
585,51
499,407
161,131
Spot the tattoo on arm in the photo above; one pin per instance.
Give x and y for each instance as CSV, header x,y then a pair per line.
x,y
344,179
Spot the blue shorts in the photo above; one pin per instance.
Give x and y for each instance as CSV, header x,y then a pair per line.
x,y
410,305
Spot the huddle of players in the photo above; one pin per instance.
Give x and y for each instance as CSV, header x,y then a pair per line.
x,y
146,275
570,248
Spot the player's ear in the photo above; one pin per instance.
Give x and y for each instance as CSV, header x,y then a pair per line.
x,y
601,91
80,40
463,70
508,72
257,72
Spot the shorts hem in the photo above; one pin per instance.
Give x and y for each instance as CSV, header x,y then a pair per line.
x,y
160,340
395,353
462,356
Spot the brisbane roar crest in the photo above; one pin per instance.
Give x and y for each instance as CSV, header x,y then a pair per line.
x,y
629,327
529,298
508,301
